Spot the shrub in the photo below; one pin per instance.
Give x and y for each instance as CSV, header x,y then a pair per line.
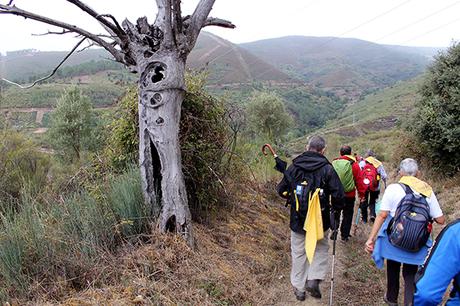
x,y
72,124
20,163
267,116
204,138
437,122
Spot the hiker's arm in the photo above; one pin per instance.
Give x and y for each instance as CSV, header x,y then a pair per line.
x,y
375,230
383,173
283,188
441,267
435,210
440,220
335,189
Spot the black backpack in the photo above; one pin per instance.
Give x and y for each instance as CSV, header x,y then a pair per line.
x,y
303,185
410,228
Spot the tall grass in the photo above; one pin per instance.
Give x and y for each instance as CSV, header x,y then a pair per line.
x,y
40,242
127,204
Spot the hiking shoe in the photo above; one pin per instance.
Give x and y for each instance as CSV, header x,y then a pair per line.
x,y
388,302
345,239
313,288
299,295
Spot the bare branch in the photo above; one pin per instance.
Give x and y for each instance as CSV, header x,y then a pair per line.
x,y
211,21
177,16
164,18
53,33
13,10
52,72
87,47
199,19
115,21
110,27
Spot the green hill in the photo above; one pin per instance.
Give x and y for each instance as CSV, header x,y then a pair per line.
x,y
103,88
20,65
349,67
229,63
372,122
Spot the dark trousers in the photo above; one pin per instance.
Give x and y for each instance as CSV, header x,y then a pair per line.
x,y
408,271
369,201
347,217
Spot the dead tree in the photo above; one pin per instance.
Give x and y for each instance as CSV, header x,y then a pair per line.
x,y
158,53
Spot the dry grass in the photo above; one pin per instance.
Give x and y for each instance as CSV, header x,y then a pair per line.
x,y
234,262
242,259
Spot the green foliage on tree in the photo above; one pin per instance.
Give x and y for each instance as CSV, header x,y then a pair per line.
x,y
437,122
71,124
20,163
310,109
204,138
267,116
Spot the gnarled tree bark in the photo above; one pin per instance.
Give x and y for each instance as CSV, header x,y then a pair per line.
x,y
158,53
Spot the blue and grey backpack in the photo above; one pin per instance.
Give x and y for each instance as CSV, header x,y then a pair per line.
x,y
410,228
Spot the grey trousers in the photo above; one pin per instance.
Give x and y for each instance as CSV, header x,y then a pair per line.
x,y
301,270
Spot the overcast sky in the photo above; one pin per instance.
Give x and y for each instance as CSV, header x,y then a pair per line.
x,y
399,22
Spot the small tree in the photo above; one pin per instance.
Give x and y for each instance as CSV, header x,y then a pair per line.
x,y
437,122
267,115
71,123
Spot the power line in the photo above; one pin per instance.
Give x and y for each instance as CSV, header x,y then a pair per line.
x,y
418,21
433,30
350,30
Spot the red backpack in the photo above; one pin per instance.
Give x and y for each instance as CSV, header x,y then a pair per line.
x,y
371,177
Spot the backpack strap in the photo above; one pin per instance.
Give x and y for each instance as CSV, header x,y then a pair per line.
x,y
406,188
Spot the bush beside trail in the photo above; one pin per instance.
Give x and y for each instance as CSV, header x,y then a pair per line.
x,y
437,122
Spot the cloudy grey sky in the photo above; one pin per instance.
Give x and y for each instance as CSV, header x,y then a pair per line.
x,y
401,22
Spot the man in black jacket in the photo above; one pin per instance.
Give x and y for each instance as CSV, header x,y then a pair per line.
x,y
309,171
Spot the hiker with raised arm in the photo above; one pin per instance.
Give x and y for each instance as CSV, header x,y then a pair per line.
x,y
440,269
373,174
313,188
349,172
402,229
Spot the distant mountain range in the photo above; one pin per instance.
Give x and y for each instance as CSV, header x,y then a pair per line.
x,y
345,66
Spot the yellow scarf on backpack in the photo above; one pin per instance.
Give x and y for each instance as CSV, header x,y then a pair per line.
x,y
374,161
417,185
313,225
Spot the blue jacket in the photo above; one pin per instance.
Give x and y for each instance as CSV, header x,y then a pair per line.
x,y
440,268
383,249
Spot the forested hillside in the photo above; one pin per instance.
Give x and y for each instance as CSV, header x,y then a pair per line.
x,y
349,67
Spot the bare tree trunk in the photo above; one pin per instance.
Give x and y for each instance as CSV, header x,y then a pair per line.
x,y
161,93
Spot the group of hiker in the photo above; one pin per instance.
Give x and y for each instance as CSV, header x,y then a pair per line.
x,y
322,198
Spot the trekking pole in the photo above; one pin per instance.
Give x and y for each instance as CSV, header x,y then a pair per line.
x,y
331,295
358,213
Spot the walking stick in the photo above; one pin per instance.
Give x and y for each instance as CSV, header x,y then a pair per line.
x,y
358,214
331,295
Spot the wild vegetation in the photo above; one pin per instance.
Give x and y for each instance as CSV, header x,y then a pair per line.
x,y
437,122
78,231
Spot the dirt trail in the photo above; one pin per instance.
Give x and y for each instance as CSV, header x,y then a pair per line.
x,y
356,281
